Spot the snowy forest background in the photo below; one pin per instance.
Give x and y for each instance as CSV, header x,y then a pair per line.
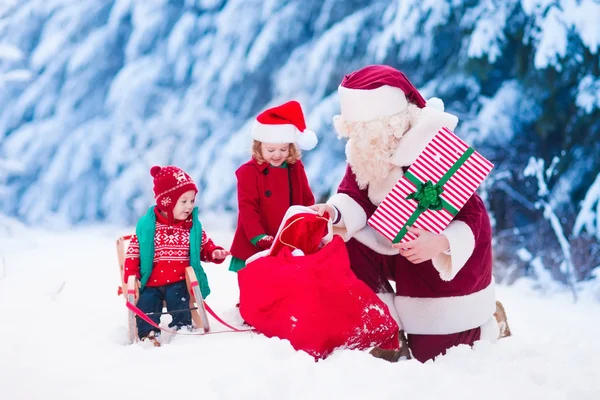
x,y
95,92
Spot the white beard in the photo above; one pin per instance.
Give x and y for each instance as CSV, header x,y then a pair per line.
x,y
373,144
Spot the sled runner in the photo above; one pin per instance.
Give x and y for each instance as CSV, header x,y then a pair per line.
x,y
130,291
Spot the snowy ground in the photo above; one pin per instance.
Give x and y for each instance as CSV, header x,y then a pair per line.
x,y
63,337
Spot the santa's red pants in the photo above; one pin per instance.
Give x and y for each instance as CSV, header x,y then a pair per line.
x,y
427,347
372,268
376,270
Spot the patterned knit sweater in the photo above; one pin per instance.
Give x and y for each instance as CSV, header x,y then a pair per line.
x,y
171,252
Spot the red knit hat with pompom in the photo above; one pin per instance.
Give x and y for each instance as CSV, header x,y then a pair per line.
x,y
170,183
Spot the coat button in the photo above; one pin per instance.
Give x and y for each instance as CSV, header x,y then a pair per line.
x,y
266,171
268,193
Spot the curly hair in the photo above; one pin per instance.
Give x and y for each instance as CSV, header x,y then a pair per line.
x,y
295,153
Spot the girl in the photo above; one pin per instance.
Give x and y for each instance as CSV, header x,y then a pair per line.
x,y
168,239
272,181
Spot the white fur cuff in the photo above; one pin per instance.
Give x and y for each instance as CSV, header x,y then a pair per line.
x,y
462,244
353,217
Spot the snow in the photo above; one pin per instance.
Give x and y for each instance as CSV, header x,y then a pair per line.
x,y
589,215
553,22
588,95
64,338
552,41
489,18
18,75
10,53
495,123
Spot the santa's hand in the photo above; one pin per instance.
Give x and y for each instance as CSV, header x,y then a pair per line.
x,y
322,209
426,246
265,242
220,254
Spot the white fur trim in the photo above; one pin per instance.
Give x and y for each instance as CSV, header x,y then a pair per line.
x,y
365,105
388,300
436,103
353,224
446,315
353,217
307,140
490,330
293,210
375,241
284,133
462,244
258,255
378,190
416,139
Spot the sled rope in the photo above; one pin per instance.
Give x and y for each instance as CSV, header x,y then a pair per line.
x,y
215,316
143,316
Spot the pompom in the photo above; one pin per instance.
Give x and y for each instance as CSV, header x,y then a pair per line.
x,y
307,140
297,253
155,170
435,102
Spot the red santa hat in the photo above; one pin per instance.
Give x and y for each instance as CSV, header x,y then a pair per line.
x,y
284,124
376,91
170,183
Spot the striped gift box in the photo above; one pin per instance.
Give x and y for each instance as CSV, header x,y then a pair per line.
x,y
433,190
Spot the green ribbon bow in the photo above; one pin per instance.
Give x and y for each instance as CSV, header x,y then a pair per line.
x,y
429,195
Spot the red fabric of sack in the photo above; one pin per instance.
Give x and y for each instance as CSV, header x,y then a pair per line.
x,y
314,301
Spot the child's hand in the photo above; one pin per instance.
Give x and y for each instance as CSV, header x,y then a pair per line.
x,y
426,246
220,254
265,242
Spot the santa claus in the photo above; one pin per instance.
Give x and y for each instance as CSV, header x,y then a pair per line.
x,y
444,285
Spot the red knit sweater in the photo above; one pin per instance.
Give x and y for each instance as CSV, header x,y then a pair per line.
x,y
171,252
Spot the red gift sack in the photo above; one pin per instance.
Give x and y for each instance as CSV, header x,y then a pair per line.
x,y
313,300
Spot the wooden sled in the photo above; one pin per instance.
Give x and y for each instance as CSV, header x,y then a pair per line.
x,y
130,291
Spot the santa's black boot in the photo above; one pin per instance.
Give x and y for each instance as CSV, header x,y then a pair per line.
x,y
404,350
502,320
393,355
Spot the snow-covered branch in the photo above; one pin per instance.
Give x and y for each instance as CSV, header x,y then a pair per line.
x,y
589,215
536,168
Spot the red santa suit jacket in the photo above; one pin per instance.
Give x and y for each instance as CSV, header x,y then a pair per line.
x,y
264,195
452,292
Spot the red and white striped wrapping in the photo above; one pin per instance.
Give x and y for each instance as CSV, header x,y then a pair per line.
x,y
440,154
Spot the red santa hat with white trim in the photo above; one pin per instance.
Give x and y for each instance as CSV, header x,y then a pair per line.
x,y
284,124
378,91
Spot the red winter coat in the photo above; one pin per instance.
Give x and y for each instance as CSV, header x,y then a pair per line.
x,y
263,199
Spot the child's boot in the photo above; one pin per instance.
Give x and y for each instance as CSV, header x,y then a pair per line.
x,y
153,338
